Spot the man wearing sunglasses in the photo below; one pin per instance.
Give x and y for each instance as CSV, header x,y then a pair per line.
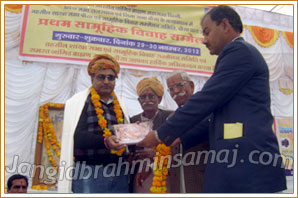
x,y
88,138
150,92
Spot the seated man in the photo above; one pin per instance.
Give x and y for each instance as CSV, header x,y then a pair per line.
x,y
150,92
17,184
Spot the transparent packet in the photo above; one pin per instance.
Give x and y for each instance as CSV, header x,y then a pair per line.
x,y
131,133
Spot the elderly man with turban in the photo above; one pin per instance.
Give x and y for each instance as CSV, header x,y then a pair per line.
x,y
150,92
89,147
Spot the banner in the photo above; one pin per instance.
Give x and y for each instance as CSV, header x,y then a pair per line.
x,y
284,132
157,37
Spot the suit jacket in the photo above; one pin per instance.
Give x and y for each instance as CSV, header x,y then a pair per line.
x,y
194,172
244,154
192,143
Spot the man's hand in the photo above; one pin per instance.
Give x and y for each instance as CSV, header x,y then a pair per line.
x,y
176,141
113,143
143,154
142,176
149,140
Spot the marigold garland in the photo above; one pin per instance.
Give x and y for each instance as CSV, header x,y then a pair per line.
x,y
40,187
46,131
160,171
102,121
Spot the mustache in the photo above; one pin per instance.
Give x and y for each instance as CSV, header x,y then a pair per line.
x,y
148,103
179,94
106,86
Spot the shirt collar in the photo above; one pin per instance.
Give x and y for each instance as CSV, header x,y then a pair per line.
x,y
144,119
236,38
111,98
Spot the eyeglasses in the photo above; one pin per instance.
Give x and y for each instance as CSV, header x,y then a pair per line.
x,y
150,96
178,86
102,77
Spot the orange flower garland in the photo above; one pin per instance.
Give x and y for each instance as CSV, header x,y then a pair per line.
x,y
46,129
160,171
102,121
40,187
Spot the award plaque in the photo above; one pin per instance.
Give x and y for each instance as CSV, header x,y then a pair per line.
x,y
131,133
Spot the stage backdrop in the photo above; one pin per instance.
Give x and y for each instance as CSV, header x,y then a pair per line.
x,y
158,37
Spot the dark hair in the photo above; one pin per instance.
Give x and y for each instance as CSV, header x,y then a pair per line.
x,y
14,177
220,12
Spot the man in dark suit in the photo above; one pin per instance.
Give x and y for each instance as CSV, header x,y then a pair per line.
x,y
244,154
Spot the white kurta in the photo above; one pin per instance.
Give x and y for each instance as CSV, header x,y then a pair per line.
x,y
72,113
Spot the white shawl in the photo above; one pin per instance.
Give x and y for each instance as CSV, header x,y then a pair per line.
x,y
72,113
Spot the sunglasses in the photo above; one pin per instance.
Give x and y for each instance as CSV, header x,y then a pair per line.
x,y
102,77
150,96
178,86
